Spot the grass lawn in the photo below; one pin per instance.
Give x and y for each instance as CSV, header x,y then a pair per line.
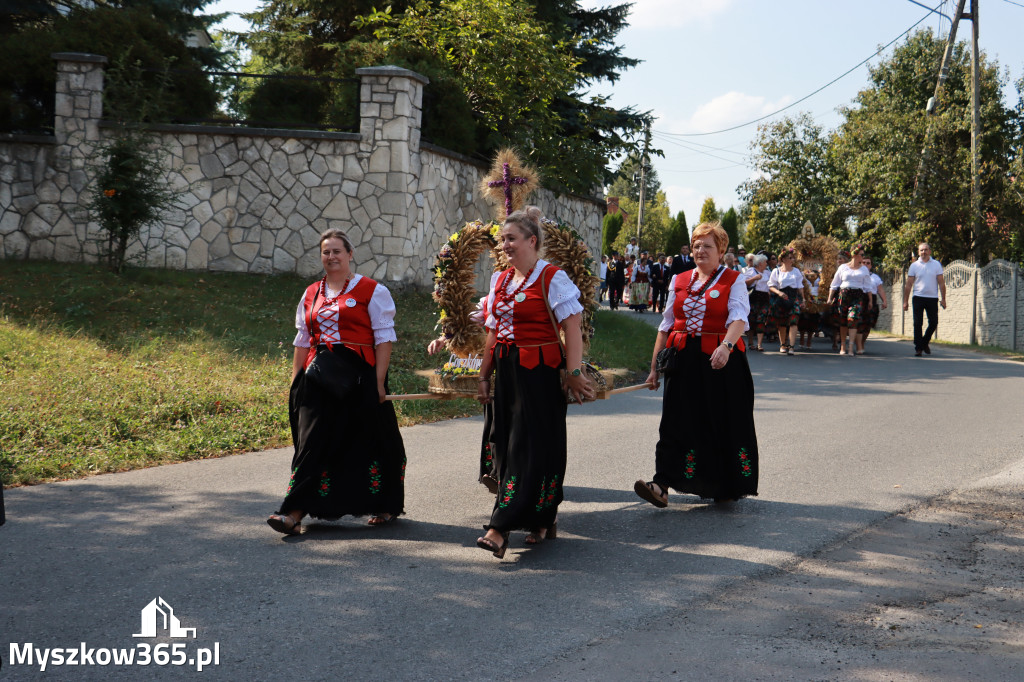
x,y
102,372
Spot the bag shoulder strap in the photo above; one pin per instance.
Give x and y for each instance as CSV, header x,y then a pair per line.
x,y
544,292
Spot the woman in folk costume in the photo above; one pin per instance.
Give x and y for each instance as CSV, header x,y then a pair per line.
x,y
525,305
786,284
879,302
640,285
757,283
850,288
349,456
707,444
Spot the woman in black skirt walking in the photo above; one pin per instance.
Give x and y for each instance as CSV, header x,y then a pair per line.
x,y
526,305
349,456
707,445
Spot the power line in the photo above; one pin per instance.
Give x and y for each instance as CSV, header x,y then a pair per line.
x,y
679,143
1014,3
806,97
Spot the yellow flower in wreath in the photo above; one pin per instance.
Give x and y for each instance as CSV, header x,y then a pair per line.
x,y
454,238
444,314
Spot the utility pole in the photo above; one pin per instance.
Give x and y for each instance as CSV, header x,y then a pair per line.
x,y
933,104
976,217
932,108
644,165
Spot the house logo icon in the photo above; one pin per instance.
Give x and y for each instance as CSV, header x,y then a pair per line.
x,y
158,617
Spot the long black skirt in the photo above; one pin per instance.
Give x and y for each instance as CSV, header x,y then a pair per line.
x,y
349,455
707,443
528,436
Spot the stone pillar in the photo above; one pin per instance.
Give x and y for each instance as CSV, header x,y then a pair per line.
x,y
391,112
78,110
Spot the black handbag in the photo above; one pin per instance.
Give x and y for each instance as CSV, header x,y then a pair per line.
x,y
665,363
332,373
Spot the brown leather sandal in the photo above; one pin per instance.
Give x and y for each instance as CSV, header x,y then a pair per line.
x,y
283,523
646,491
491,546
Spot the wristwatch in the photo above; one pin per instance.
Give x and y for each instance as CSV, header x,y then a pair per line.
x,y
728,345
576,372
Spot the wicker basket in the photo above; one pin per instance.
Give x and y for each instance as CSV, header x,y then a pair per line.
x,y
464,385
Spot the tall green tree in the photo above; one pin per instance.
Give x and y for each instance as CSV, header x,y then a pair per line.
x,y
626,182
611,225
482,57
730,223
878,149
590,127
132,34
795,181
708,211
678,234
655,228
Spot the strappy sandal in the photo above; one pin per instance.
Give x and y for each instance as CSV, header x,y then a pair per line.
x,y
490,483
538,536
646,491
285,524
381,519
490,546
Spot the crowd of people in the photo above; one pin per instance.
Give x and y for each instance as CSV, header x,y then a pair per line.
x,y
787,303
349,455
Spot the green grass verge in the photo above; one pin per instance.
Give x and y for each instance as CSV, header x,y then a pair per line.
x,y
102,372
995,351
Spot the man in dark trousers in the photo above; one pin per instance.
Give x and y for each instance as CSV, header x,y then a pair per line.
x,y
660,275
684,261
616,279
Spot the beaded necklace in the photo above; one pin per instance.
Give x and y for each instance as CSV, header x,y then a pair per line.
x,y
694,280
323,287
503,290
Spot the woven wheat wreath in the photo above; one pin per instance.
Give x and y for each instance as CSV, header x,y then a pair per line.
x,y
507,185
813,251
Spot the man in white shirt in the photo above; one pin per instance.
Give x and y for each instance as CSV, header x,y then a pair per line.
x,y
925,277
632,249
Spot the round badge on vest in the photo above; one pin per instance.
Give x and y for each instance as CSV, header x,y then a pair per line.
x,y
520,297
350,303
715,293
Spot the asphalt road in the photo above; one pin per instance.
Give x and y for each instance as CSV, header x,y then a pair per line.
x,y
868,465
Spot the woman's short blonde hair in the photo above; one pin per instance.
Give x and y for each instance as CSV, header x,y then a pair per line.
x,y
333,233
715,231
528,222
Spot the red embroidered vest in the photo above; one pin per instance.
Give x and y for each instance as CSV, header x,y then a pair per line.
x,y
353,330
531,323
716,311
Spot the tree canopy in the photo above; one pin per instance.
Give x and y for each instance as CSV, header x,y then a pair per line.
x,y
864,173
502,74
148,33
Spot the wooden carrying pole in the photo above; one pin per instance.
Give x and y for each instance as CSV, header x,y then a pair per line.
x,y
445,396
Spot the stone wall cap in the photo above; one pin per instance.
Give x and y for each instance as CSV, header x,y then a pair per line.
x,y
79,57
285,133
392,71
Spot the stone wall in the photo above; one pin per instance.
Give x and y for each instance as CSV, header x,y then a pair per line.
x,y
983,306
256,200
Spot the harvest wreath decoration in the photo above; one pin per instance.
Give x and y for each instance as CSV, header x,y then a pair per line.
x,y
508,185
820,253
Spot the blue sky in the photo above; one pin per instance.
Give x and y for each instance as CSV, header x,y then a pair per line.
x,y
713,64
